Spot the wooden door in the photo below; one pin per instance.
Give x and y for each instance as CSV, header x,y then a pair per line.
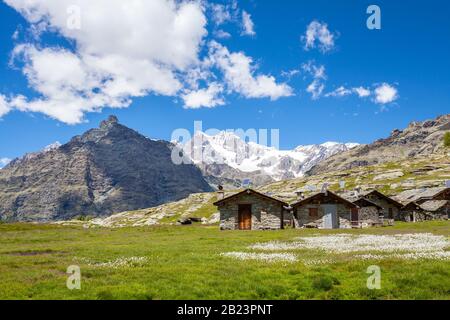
x,y
245,217
355,217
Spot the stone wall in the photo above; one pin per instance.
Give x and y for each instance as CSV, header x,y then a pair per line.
x,y
369,214
266,214
303,217
385,205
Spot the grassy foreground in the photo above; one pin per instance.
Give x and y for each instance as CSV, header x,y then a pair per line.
x,y
185,263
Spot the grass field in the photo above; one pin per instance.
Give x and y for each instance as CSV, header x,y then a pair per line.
x,y
174,262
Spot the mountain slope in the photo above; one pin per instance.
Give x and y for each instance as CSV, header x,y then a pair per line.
x,y
227,158
106,170
425,171
420,138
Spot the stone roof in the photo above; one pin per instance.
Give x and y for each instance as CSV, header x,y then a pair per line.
x,y
434,205
229,197
324,194
417,194
382,195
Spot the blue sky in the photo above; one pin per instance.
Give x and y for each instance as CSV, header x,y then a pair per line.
x,y
409,55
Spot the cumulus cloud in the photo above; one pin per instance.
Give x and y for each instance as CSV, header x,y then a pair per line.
x,y
318,36
124,50
362,92
247,24
209,97
385,93
239,75
381,93
113,62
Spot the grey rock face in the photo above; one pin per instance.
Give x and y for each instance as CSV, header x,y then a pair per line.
x,y
419,138
104,171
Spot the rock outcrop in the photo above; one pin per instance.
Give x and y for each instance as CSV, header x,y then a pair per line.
x,y
419,139
106,170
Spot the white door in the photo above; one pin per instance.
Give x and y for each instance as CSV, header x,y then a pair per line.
x,y
330,218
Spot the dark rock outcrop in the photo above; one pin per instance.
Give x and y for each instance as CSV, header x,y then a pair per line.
x,y
104,171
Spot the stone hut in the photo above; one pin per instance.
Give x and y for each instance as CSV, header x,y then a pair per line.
x,y
390,207
425,204
413,212
324,210
424,194
251,210
437,209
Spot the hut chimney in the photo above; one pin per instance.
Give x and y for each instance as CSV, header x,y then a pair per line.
x,y
220,193
300,195
325,188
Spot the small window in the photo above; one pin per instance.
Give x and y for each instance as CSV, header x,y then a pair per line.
x,y
314,212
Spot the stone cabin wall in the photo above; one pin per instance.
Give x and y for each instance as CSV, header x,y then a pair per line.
x,y
303,217
385,205
266,214
369,213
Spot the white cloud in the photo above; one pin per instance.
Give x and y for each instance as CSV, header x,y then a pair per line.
x,y
319,76
339,92
318,35
362,92
290,73
126,50
385,93
208,97
315,89
4,106
221,34
220,14
317,72
113,62
239,75
381,94
4,162
247,24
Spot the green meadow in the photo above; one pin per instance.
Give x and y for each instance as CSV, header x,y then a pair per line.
x,y
185,262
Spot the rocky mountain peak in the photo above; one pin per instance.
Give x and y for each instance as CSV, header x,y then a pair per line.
x,y
106,170
110,122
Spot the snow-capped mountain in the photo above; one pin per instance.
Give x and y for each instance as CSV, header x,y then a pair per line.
x,y
227,149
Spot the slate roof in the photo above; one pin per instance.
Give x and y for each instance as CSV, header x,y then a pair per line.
x,y
329,193
417,194
434,205
249,191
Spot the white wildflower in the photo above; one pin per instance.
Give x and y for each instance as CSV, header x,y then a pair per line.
x,y
266,257
346,243
122,262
